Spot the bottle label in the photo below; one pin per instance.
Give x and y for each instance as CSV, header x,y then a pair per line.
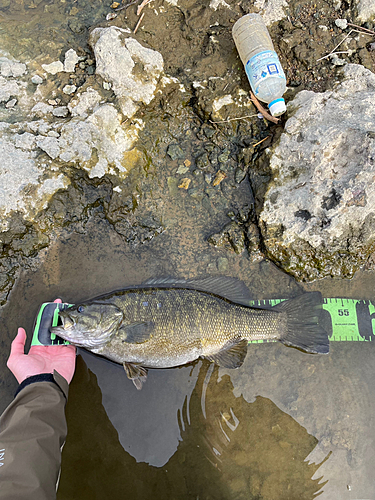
x,y
261,66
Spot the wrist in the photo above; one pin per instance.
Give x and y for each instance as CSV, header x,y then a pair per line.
x,y
40,377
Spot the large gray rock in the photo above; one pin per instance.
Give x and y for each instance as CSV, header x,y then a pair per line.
x,y
318,217
132,70
366,10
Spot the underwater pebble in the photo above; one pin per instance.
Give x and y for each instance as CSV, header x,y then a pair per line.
x,y
174,151
69,89
182,169
37,80
185,183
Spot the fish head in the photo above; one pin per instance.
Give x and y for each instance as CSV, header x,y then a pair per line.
x,y
88,325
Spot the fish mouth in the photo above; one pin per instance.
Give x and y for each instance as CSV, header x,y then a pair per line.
x,y
64,326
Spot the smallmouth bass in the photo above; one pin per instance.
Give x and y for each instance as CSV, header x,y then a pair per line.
x,y
167,323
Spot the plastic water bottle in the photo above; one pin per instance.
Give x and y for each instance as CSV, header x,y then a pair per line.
x,y
262,65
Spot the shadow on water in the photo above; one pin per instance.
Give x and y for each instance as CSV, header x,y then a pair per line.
x,y
228,448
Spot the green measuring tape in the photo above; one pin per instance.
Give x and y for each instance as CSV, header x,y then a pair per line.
x,y
345,320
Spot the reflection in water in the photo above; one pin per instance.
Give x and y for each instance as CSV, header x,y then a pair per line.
x,y
231,450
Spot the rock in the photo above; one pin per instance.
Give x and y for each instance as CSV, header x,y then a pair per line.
x,y
53,67
341,23
84,102
50,145
10,67
60,111
271,10
366,10
69,89
318,214
22,173
11,103
37,80
70,61
8,88
174,151
99,144
231,237
132,69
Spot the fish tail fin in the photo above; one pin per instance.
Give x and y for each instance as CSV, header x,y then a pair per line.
x,y
303,329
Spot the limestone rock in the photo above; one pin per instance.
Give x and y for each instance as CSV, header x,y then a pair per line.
x,y
84,102
70,61
366,10
9,67
98,144
53,67
25,184
318,217
132,69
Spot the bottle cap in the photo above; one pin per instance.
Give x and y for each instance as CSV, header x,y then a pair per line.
x,y
277,107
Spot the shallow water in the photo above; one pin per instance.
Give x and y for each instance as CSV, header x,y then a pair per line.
x,y
286,425
200,432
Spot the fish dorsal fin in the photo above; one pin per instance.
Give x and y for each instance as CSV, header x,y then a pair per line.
x,y
230,288
137,333
232,355
136,373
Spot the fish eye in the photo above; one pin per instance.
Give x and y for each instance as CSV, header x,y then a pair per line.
x,y
80,309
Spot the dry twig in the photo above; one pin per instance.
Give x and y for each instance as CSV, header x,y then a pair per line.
x,y
126,6
261,110
138,23
361,28
143,4
260,142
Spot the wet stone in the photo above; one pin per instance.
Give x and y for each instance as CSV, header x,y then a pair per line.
x,y
231,237
202,161
174,151
37,80
182,169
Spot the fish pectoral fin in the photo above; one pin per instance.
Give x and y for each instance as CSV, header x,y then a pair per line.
x,y
136,373
137,333
232,355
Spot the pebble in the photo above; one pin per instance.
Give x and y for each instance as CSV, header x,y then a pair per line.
x,y
107,86
53,133
174,151
341,23
71,59
61,112
54,67
69,89
37,80
11,103
182,169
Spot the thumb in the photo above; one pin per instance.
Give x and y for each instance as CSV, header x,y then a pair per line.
x,y
18,345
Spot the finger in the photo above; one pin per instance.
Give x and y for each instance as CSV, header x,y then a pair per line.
x,y
18,344
58,301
